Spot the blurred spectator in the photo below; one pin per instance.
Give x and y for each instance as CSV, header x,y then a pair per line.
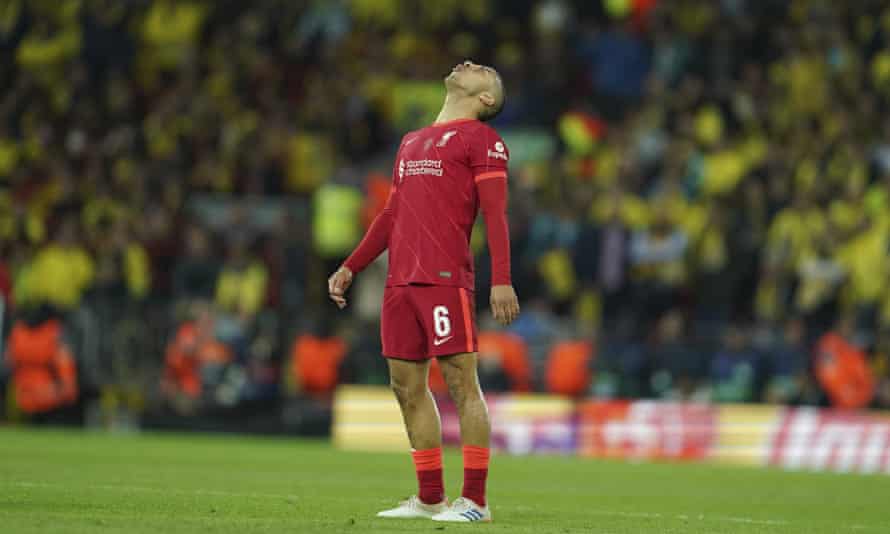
x,y
793,231
658,255
675,364
122,267
241,285
194,364
260,378
624,368
50,43
196,273
817,293
316,358
60,272
734,368
601,259
618,64
171,31
161,245
714,276
842,368
787,366
504,355
569,368
336,223
44,373
539,328
363,364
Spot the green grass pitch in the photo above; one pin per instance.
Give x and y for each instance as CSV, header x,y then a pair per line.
x,y
74,482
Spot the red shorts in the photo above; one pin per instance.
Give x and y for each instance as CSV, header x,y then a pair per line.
x,y
421,322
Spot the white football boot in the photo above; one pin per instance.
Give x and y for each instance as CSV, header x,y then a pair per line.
x,y
413,508
464,510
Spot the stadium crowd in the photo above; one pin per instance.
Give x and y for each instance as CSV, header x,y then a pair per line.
x,y
700,194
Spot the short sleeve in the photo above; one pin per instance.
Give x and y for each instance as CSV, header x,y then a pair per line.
x,y
488,155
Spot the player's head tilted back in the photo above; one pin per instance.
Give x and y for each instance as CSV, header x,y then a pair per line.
x,y
479,86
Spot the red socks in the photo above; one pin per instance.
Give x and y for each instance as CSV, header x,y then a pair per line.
x,y
475,473
428,464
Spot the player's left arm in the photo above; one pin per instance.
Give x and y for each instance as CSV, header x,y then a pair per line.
x,y
493,200
491,187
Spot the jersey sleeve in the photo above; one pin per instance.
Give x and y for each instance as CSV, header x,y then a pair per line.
x,y
376,239
488,155
488,160
493,201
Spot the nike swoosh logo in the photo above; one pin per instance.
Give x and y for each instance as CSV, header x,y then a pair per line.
x,y
438,342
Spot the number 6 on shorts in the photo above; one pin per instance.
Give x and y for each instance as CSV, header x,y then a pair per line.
x,y
441,323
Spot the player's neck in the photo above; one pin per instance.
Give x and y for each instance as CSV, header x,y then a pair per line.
x,y
455,108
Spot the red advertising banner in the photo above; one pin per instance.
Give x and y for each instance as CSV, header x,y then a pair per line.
x,y
791,438
827,440
644,429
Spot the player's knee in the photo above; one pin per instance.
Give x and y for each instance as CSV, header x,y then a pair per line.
x,y
462,392
455,389
407,392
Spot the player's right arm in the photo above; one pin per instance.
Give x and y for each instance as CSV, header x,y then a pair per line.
x,y
372,245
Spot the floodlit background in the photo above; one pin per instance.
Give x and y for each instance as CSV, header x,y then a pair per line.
x,y
699,207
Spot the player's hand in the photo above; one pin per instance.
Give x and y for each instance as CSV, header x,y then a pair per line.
x,y
338,283
504,304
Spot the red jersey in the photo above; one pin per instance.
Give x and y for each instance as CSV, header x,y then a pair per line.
x,y
442,175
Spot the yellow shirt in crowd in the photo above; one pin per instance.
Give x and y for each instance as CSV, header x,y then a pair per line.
x,y
242,291
58,276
